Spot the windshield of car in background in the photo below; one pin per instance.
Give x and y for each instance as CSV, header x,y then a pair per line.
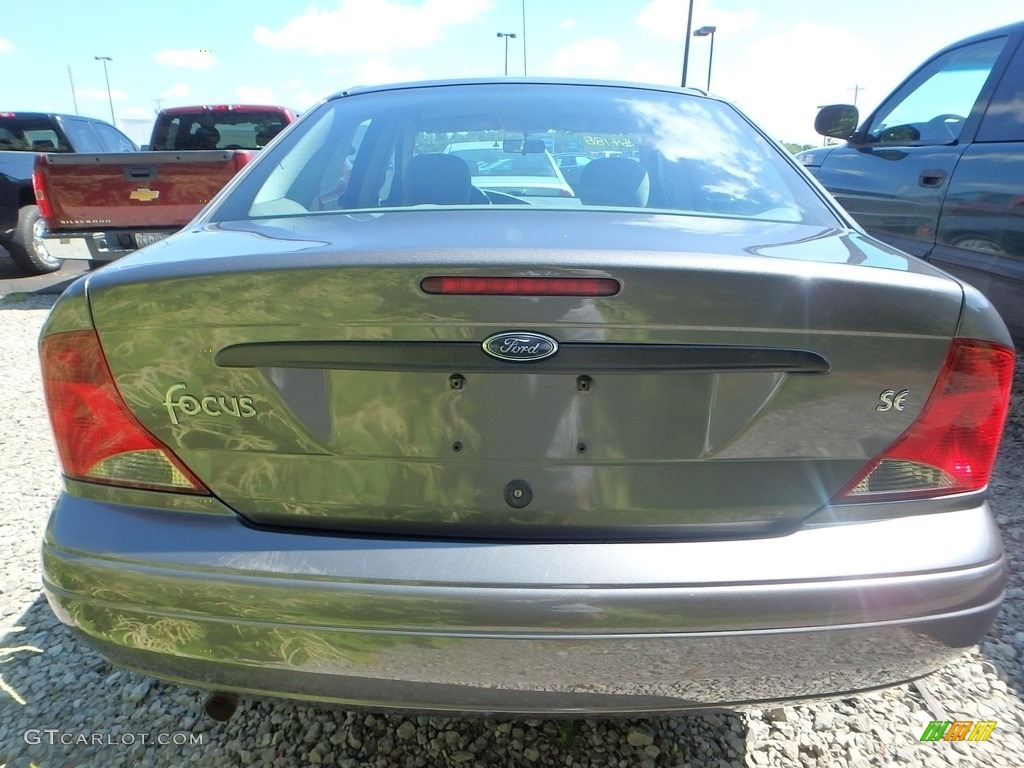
x,y
30,134
455,144
225,129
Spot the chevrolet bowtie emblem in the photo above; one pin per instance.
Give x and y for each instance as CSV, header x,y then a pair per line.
x,y
145,195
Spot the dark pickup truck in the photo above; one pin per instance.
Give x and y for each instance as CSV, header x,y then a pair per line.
x,y
938,169
23,136
103,206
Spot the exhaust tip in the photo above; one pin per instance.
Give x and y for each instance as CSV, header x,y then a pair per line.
x,y
221,706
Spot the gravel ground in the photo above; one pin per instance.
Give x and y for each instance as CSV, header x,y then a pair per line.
x,y
54,690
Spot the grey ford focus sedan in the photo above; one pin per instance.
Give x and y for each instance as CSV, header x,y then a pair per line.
x,y
370,432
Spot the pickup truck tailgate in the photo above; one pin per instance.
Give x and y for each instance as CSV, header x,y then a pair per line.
x,y
132,189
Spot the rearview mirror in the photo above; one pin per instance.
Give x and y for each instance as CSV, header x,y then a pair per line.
x,y
524,146
837,120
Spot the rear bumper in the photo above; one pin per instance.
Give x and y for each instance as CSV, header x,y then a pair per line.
x,y
95,246
517,628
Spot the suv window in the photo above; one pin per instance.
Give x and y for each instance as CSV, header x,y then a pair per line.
x,y
1004,120
82,136
933,106
30,134
113,140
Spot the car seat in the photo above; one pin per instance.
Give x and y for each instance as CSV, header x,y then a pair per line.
x,y
614,181
205,137
438,179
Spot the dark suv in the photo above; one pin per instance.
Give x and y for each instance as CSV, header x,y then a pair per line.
x,y
23,135
938,168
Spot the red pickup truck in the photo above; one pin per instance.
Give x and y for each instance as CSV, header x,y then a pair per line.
x,y
99,207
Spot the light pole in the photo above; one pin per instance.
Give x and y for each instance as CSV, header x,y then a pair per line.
x,y
74,98
524,37
704,32
686,45
507,35
106,77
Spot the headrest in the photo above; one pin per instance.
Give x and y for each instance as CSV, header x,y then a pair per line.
x,y
614,181
207,137
439,179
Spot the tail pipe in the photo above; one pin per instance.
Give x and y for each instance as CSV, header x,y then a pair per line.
x,y
221,705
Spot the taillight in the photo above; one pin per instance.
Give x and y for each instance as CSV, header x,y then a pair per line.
x,y
951,447
242,158
98,439
520,286
39,189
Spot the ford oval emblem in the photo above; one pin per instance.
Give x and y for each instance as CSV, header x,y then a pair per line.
x,y
520,346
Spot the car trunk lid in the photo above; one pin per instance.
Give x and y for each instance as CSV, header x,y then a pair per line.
x,y
711,395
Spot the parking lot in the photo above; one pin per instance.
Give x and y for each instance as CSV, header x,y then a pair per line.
x,y
14,280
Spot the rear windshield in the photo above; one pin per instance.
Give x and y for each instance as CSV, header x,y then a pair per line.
x,y
217,130
494,145
31,134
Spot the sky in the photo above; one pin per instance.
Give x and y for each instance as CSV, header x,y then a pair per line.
x,y
778,60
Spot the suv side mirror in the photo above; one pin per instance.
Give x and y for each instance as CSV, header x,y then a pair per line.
x,y
837,120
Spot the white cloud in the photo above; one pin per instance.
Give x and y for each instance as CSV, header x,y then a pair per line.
x,y
651,72
667,18
179,91
254,94
100,94
370,26
301,97
187,58
567,24
6,46
593,57
304,99
664,18
377,70
782,98
135,113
